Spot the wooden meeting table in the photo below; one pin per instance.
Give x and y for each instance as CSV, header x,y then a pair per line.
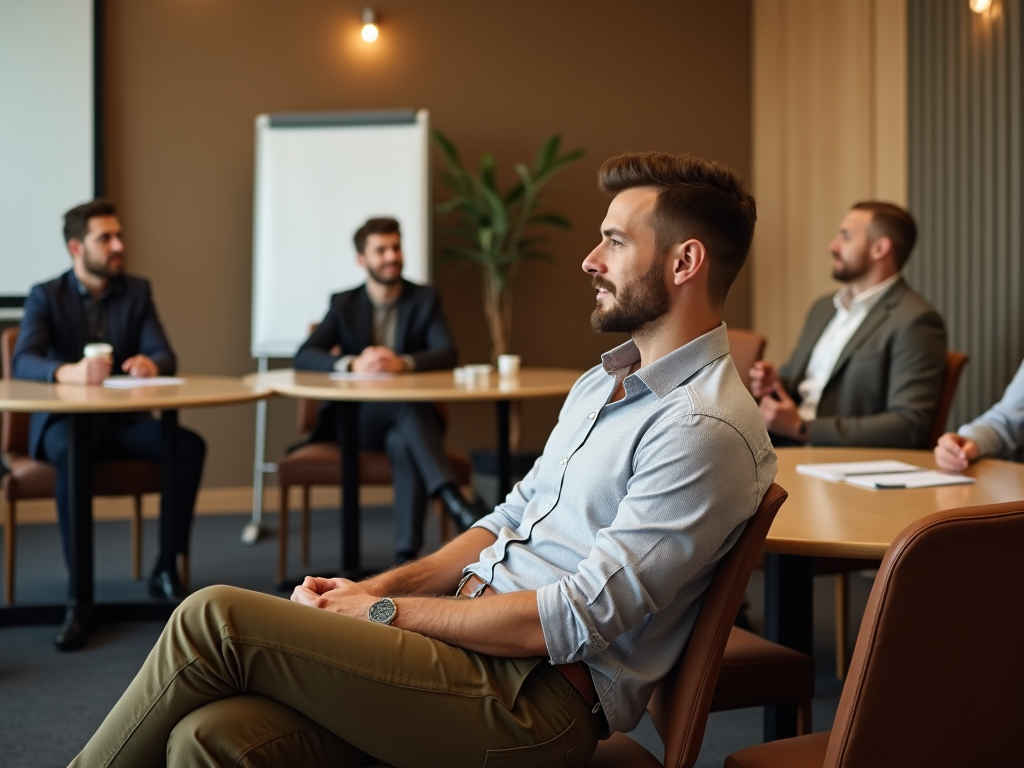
x,y
79,402
427,386
832,519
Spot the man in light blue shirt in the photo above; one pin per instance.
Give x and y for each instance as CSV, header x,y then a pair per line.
x,y
587,579
999,431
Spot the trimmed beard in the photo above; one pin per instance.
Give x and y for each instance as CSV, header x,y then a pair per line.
x,y
641,301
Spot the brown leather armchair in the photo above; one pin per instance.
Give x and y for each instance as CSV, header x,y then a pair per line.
x,y
683,699
936,672
31,479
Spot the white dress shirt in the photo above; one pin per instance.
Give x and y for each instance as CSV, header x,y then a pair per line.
x,y
850,313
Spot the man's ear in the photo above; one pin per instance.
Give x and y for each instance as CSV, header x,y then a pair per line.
x,y
881,248
688,258
361,260
76,247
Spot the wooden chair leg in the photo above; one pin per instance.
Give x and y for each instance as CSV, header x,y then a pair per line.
x,y
184,569
803,717
10,513
445,520
842,627
136,536
304,528
282,534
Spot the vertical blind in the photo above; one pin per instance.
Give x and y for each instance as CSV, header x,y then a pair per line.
x,y
965,184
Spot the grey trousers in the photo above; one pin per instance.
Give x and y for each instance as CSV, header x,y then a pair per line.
x,y
240,678
412,435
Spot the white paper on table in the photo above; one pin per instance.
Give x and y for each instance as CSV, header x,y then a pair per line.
x,y
923,479
357,376
131,382
840,471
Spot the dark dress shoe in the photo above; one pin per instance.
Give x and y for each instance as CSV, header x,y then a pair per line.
x,y
463,513
165,585
75,630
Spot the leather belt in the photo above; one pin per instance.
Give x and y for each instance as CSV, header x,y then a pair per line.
x,y
577,673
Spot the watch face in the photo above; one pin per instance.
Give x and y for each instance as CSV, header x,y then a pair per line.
x,y
383,611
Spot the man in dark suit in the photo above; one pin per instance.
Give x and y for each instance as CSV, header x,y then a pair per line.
x,y
869,365
95,302
389,325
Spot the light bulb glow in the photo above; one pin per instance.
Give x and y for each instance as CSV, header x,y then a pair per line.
x,y
370,32
980,6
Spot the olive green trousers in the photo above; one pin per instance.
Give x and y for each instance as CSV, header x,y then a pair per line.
x,y
240,678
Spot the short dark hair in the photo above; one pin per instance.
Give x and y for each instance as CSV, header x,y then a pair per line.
x,y
76,221
697,198
896,223
380,226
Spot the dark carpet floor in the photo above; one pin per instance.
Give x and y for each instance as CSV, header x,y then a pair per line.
x,y
51,702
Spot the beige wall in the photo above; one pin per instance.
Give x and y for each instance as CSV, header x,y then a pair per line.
x,y
829,128
185,78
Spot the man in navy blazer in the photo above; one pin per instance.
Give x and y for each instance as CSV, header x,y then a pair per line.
x,y
389,325
95,302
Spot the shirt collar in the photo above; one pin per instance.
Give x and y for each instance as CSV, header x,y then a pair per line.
x,y
666,373
113,286
864,300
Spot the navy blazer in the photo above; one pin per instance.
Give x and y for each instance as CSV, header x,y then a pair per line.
x,y
421,330
54,332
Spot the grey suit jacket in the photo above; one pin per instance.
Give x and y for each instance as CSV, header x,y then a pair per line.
x,y
886,384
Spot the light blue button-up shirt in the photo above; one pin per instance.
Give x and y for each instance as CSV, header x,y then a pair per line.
x,y
622,520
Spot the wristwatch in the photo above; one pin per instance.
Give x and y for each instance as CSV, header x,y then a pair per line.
x,y
383,611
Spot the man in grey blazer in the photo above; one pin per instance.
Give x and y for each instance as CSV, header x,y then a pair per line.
x,y
869,366
390,325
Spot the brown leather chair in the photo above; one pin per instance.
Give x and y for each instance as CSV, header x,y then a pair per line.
x,y
319,463
842,567
936,673
31,479
746,348
683,699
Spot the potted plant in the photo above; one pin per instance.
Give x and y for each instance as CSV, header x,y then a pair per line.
x,y
498,230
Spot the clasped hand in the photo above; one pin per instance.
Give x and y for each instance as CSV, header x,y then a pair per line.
x,y
378,360
338,595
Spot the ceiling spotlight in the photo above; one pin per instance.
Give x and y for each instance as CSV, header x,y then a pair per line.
x,y
370,30
980,6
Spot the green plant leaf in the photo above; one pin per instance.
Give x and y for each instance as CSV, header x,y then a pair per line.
x,y
449,150
487,175
554,219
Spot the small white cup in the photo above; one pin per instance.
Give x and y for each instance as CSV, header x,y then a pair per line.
x,y
98,349
508,365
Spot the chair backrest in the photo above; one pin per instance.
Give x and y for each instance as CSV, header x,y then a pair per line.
x,y
14,431
939,663
955,363
682,700
746,348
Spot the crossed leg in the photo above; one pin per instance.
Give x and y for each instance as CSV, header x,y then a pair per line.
x,y
242,678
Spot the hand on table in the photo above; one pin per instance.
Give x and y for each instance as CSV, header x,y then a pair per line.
x,y
378,360
141,366
337,595
953,452
88,370
763,378
780,415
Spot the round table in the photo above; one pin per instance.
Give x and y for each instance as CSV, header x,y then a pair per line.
x,y
427,386
822,518
79,402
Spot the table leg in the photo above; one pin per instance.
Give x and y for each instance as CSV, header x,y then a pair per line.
x,y
80,588
168,487
350,544
504,452
789,621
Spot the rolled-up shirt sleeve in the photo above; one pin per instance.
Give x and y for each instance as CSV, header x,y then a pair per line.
x,y
684,506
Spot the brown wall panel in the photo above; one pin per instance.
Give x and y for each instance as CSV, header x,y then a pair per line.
x,y
185,79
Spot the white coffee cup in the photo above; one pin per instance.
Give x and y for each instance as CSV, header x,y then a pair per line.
x,y
508,365
98,349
